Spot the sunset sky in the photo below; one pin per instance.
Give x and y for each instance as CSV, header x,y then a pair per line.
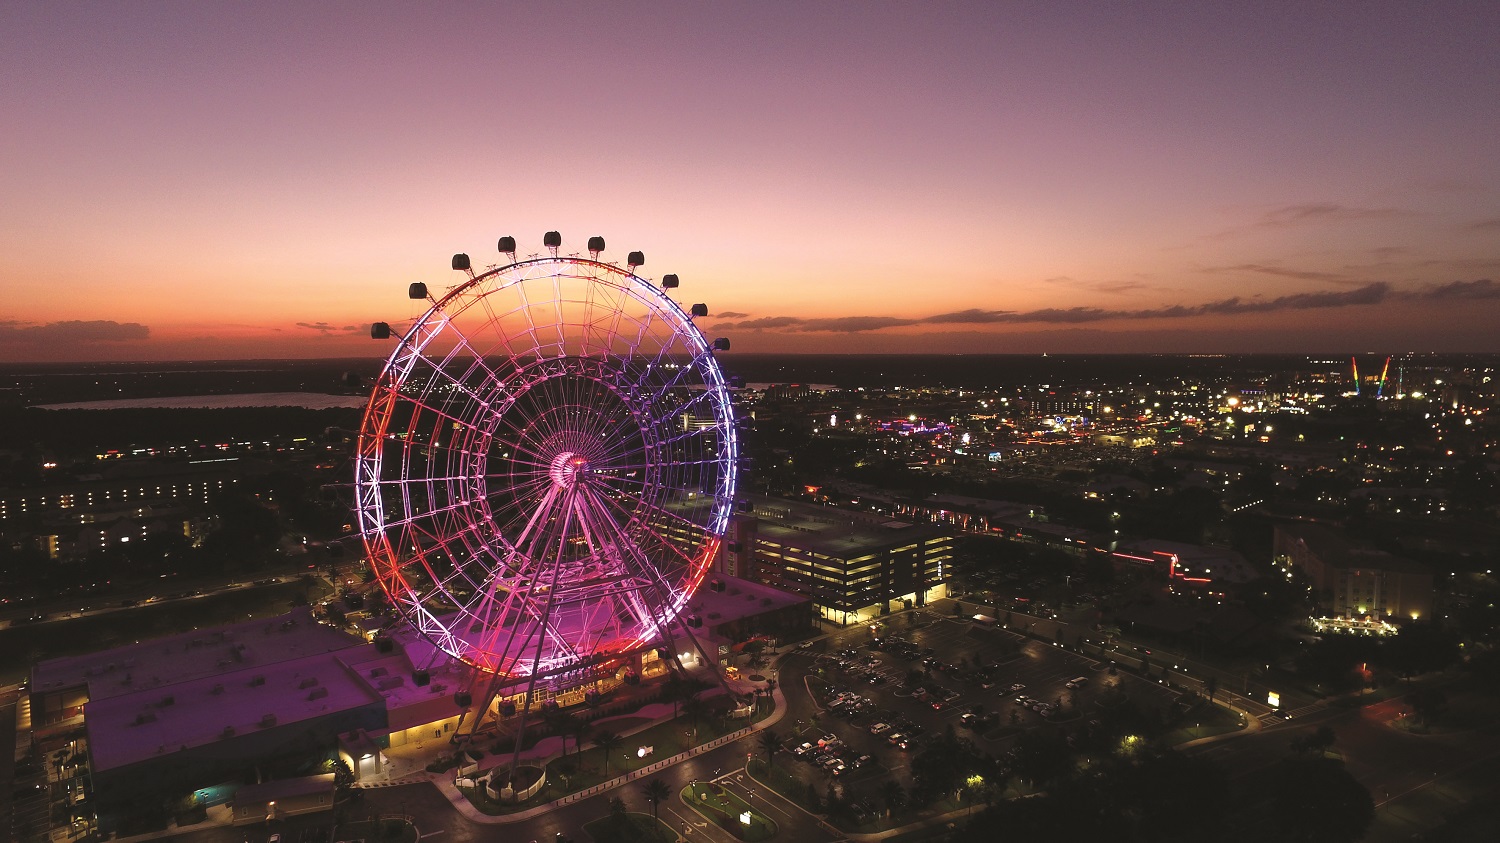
x,y
237,180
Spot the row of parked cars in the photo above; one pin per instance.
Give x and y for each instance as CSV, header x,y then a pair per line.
x,y
830,754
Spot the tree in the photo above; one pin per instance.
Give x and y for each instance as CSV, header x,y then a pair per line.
x,y
619,817
1172,797
607,742
582,732
1041,757
1316,741
678,689
1419,648
940,768
1317,799
1211,686
1428,704
563,724
894,795
695,709
343,779
769,743
656,792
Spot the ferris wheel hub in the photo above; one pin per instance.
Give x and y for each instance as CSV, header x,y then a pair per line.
x,y
568,469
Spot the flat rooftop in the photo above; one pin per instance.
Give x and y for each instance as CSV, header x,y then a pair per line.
x,y
739,599
835,532
128,728
162,662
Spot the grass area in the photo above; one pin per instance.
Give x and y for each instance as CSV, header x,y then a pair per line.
x,y
1003,732
378,831
1205,721
725,809
637,828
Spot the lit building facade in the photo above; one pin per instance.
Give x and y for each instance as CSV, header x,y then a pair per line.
x,y
1354,582
852,566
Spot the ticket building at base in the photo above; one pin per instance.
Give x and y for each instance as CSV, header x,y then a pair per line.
x,y
167,717
213,711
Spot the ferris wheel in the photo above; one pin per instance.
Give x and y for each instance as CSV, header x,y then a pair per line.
x,y
547,463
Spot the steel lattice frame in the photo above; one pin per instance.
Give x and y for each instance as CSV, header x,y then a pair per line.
x,y
546,467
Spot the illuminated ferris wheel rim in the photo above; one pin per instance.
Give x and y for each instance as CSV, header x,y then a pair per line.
x,y
568,476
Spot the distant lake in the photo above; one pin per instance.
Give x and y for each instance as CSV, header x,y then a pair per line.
x,y
306,400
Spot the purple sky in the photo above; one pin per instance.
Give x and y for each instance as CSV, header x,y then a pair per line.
x,y
219,180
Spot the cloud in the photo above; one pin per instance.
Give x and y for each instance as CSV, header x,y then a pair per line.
x,y
730,314
74,331
855,324
1311,213
763,323
1099,286
1492,224
972,316
1480,290
326,329
1279,272
1367,294
1316,212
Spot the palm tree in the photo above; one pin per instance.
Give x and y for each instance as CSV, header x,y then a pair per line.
x,y
695,709
770,742
607,741
563,724
656,792
581,730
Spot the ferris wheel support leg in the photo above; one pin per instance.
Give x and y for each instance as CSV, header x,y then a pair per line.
x,y
481,703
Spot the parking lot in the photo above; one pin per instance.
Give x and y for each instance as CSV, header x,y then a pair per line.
x,y
871,707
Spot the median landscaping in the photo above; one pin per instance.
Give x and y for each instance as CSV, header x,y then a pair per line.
x,y
728,811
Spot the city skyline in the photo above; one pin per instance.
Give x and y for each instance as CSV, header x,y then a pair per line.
x,y
235,180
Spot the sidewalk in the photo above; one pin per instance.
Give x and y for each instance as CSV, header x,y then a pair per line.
x,y
543,749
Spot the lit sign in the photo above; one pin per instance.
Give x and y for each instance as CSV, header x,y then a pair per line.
x,y
745,818
1273,699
